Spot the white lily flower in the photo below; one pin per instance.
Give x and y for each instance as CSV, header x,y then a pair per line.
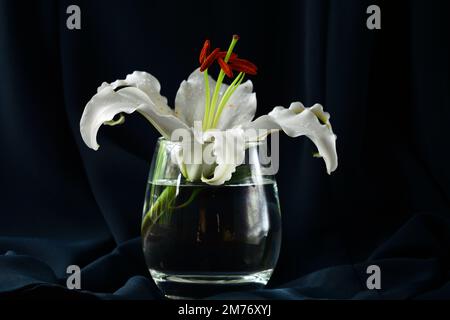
x,y
140,92
211,151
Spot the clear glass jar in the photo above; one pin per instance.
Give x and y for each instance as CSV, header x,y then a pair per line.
x,y
200,240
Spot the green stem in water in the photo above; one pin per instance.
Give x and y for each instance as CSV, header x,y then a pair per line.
x,y
162,205
189,201
219,83
226,96
158,170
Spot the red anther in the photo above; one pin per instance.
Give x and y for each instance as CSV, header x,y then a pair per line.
x,y
205,51
243,62
225,67
223,54
243,65
206,59
244,69
209,60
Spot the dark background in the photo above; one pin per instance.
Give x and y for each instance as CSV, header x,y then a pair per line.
x,y
387,90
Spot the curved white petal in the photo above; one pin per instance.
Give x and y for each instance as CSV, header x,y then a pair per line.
x,y
176,155
140,93
297,121
190,102
190,98
240,109
189,157
143,81
229,151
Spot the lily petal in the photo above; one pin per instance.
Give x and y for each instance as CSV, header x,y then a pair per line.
x,y
190,98
297,121
190,102
191,163
229,151
140,93
240,109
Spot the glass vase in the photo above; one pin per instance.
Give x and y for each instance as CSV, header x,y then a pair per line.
x,y
201,240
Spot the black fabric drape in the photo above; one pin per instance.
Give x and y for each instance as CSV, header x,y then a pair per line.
x,y
387,91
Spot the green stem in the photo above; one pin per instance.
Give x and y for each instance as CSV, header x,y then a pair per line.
x,y
161,205
226,96
215,98
219,84
189,201
158,170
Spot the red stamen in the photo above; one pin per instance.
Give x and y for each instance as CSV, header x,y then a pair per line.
x,y
223,54
244,69
242,65
225,67
205,51
209,60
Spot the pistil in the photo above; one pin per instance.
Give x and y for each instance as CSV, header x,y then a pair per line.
x,y
228,62
212,111
226,96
